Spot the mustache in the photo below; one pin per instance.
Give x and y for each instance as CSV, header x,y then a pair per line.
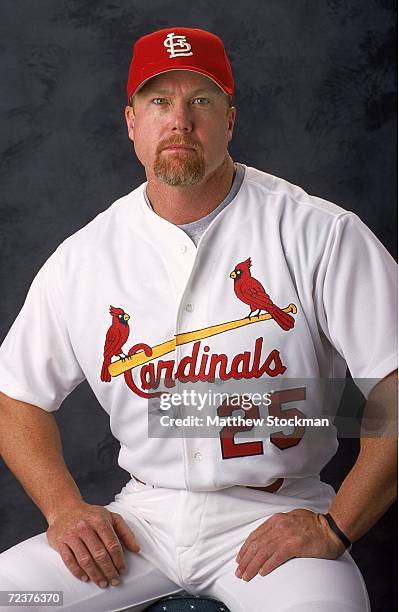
x,y
178,140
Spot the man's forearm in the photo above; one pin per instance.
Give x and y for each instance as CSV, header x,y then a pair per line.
x,y
30,444
88,538
370,487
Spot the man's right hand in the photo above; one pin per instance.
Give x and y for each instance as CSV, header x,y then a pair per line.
x,y
89,539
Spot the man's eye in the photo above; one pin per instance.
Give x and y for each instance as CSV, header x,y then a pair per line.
x,y
201,101
159,100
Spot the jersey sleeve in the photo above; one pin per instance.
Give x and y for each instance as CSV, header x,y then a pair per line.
x,y
37,361
358,294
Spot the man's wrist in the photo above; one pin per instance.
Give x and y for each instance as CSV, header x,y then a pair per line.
x,y
70,505
338,532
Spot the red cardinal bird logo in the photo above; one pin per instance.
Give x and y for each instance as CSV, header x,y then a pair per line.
x,y
251,292
116,337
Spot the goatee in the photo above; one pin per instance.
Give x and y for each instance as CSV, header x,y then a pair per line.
x,y
180,168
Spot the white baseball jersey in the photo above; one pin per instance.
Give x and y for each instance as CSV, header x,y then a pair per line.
x,y
131,283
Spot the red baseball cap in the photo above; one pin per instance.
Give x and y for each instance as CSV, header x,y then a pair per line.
x,y
179,49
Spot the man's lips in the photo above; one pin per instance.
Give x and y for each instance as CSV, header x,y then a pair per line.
x,y
179,148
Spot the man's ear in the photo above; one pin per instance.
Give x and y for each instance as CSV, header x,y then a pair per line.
x,y
129,118
231,117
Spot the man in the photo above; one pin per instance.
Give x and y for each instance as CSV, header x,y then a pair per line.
x,y
211,270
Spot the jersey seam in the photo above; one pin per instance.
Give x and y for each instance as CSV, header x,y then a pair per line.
x,y
296,200
318,280
61,322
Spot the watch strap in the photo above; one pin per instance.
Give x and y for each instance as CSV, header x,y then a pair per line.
x,y
334,527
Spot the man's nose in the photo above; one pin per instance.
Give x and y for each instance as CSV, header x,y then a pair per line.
x,y
181,118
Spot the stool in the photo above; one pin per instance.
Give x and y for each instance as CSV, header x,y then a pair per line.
x,y
187,603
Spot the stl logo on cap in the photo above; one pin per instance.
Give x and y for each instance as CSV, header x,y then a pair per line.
x,y
177,46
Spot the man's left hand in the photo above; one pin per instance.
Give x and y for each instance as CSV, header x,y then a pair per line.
x,y
299,533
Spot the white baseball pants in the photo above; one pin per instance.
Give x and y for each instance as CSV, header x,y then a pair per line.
x,y
189,541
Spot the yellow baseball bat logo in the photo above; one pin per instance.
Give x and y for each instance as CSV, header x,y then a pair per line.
x,y
138,359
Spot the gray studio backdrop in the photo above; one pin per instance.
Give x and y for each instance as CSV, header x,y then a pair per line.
x,y
316,105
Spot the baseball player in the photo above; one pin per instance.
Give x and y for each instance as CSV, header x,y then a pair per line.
x,y
210,273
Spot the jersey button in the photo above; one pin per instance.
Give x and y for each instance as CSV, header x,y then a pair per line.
x,y
198,456
183,248
189,307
